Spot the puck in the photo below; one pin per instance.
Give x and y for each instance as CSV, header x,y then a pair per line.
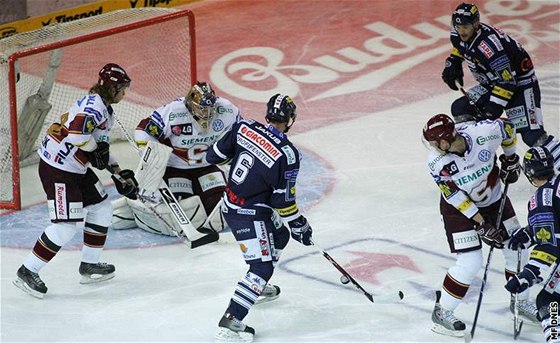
x,y
344,280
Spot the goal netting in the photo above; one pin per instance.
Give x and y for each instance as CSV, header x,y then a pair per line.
x,y
48,69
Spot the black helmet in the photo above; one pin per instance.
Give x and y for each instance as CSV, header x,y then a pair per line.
x,y
281,108
538,163
465,14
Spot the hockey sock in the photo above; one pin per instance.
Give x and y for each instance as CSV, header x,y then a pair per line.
x,y
94,241
48,245
553,145
452,293
246,293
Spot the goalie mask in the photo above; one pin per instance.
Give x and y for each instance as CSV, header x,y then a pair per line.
x,y
281,109
201,102
538,163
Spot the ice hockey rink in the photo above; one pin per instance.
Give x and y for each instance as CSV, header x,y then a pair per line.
x,y
364,186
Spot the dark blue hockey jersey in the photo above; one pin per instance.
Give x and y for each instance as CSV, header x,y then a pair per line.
x,y
263,171
496,61
544,224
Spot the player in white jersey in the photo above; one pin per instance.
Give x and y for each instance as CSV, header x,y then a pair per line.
x,y
462,162
76,198
189,125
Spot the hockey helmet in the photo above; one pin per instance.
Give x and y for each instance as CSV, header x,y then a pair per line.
x,y
438,127
538,162
114,75
201,101
281,108
465,14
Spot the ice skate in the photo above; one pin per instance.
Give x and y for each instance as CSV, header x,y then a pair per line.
x,y
445,322
231,329
96,272
527,311
30,283
269,293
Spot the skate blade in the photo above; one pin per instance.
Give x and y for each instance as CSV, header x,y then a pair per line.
x,y
23,286
437,328
227,335
262,300
94,278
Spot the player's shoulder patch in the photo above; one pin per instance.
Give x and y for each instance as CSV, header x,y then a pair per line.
x,y
547,197
290,154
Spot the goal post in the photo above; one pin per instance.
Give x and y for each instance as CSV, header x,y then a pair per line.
x,y
43,72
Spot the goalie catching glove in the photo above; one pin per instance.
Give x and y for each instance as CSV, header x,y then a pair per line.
x,y
129,187
301,231
99,158
510,169
453,71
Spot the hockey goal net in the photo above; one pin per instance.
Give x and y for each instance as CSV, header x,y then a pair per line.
x,y
44,71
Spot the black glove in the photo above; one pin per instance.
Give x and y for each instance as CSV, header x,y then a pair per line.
x,y
490,235
453,71
301,231
126,184
492,110
527,278
521,238
99,158
510,168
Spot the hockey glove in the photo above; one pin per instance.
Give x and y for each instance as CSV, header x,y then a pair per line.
x,y
99,158
453,71
510,168
489,235
521,238
129,187
492,110
527,278
301,231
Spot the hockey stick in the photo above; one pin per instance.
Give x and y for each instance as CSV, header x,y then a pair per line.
x,y
36,108
471,100
383,298
517,322
469,336
190,233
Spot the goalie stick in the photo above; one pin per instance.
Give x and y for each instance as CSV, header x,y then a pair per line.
x,y
469,335
36,108
379,298
152,187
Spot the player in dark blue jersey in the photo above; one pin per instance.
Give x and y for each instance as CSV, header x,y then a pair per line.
x,y
506,77
543,231
262,179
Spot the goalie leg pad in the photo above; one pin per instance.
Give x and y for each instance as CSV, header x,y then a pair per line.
x,y
123,218
215,221
146,220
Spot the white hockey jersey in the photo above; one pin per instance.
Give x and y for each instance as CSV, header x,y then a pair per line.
x,y
89,120
471,181
174,125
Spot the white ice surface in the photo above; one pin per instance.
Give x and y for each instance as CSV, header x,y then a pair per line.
x,y
382,202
